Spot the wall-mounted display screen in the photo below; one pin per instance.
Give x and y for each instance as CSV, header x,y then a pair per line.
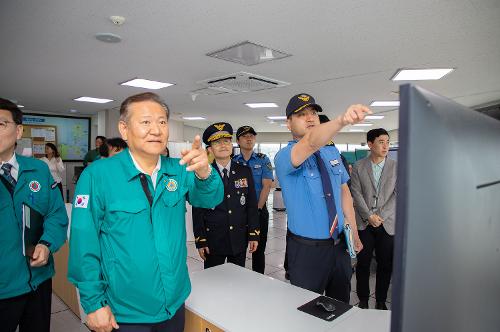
x,y
70,134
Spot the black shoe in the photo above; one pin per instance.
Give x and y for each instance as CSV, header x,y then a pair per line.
x,y
363,304
380,306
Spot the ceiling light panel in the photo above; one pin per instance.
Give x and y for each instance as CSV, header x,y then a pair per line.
x,y
146,84
193,118
248,54
93,100
261,105
421,74
277,118
374,117
385,103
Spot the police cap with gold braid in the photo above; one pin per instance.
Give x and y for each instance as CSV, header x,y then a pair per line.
x,y
298,102
216,131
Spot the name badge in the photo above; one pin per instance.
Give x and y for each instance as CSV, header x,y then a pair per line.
x,y
334,162
257,166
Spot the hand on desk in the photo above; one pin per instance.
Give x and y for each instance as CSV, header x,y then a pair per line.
x,y
204,252
102,320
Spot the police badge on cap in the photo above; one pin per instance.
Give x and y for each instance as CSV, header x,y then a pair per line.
x,y
216,131
298,102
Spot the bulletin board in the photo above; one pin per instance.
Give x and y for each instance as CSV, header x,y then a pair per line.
x,y
39,135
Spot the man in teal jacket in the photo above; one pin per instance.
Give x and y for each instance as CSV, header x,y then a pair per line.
x,y
128,234
26,275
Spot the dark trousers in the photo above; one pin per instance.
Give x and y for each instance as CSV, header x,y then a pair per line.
x,y
30,311
214,260
374,239
320,266
258,257
174,324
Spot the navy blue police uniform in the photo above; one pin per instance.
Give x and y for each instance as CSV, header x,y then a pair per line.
x,y
227,228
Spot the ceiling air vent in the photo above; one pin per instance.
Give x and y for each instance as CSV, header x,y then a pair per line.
x,y
242,82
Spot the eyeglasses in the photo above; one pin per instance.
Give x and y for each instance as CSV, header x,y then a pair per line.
x,y
4,123
221,142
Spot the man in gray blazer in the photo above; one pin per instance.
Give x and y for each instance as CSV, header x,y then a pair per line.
x,y
373,187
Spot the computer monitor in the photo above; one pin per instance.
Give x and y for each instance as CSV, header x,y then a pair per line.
x,y
446,273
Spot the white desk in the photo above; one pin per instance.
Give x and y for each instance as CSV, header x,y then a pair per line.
x,y
239,300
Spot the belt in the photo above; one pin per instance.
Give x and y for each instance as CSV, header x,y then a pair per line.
x,y
314,242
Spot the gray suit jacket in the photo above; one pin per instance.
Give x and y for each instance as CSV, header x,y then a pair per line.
x,y
364,193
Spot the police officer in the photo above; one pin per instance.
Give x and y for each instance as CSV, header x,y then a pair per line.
x,y
317,198
262,172
225,231
26,269
128,232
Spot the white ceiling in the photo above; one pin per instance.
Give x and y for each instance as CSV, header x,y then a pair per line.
x,y
343,52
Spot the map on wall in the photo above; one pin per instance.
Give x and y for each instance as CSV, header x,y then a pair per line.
x,y
72,133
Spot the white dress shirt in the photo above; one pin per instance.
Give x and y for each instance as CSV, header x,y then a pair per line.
x,y
14,171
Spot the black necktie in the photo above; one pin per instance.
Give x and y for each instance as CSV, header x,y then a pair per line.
x,y
328,192
225,178
8,178
145,188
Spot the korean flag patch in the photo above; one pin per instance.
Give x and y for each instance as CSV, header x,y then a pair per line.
x,y
81,201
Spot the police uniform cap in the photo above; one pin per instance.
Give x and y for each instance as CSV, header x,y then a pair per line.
x,y
217,131
299,102
245,130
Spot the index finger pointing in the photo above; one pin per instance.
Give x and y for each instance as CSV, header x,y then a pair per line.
x,y
196,142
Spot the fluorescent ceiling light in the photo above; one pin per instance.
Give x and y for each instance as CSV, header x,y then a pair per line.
x,y
146,84
386,103
193,118
363,125
374,117
261,105
277,117
73,111
356,130
421,74
93,100
20,106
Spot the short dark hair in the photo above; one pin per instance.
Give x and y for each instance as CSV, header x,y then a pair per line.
x,y
54,148
102,138
9,106
103,150
117,142
146,96
374,133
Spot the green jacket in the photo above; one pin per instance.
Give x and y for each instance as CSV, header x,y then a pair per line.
x,y
35,188
127,254
91,156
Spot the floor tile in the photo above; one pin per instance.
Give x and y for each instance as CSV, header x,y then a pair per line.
x,y
276,259
66,321
57,304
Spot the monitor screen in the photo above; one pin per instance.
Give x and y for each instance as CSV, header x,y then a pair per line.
x,y
447,243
